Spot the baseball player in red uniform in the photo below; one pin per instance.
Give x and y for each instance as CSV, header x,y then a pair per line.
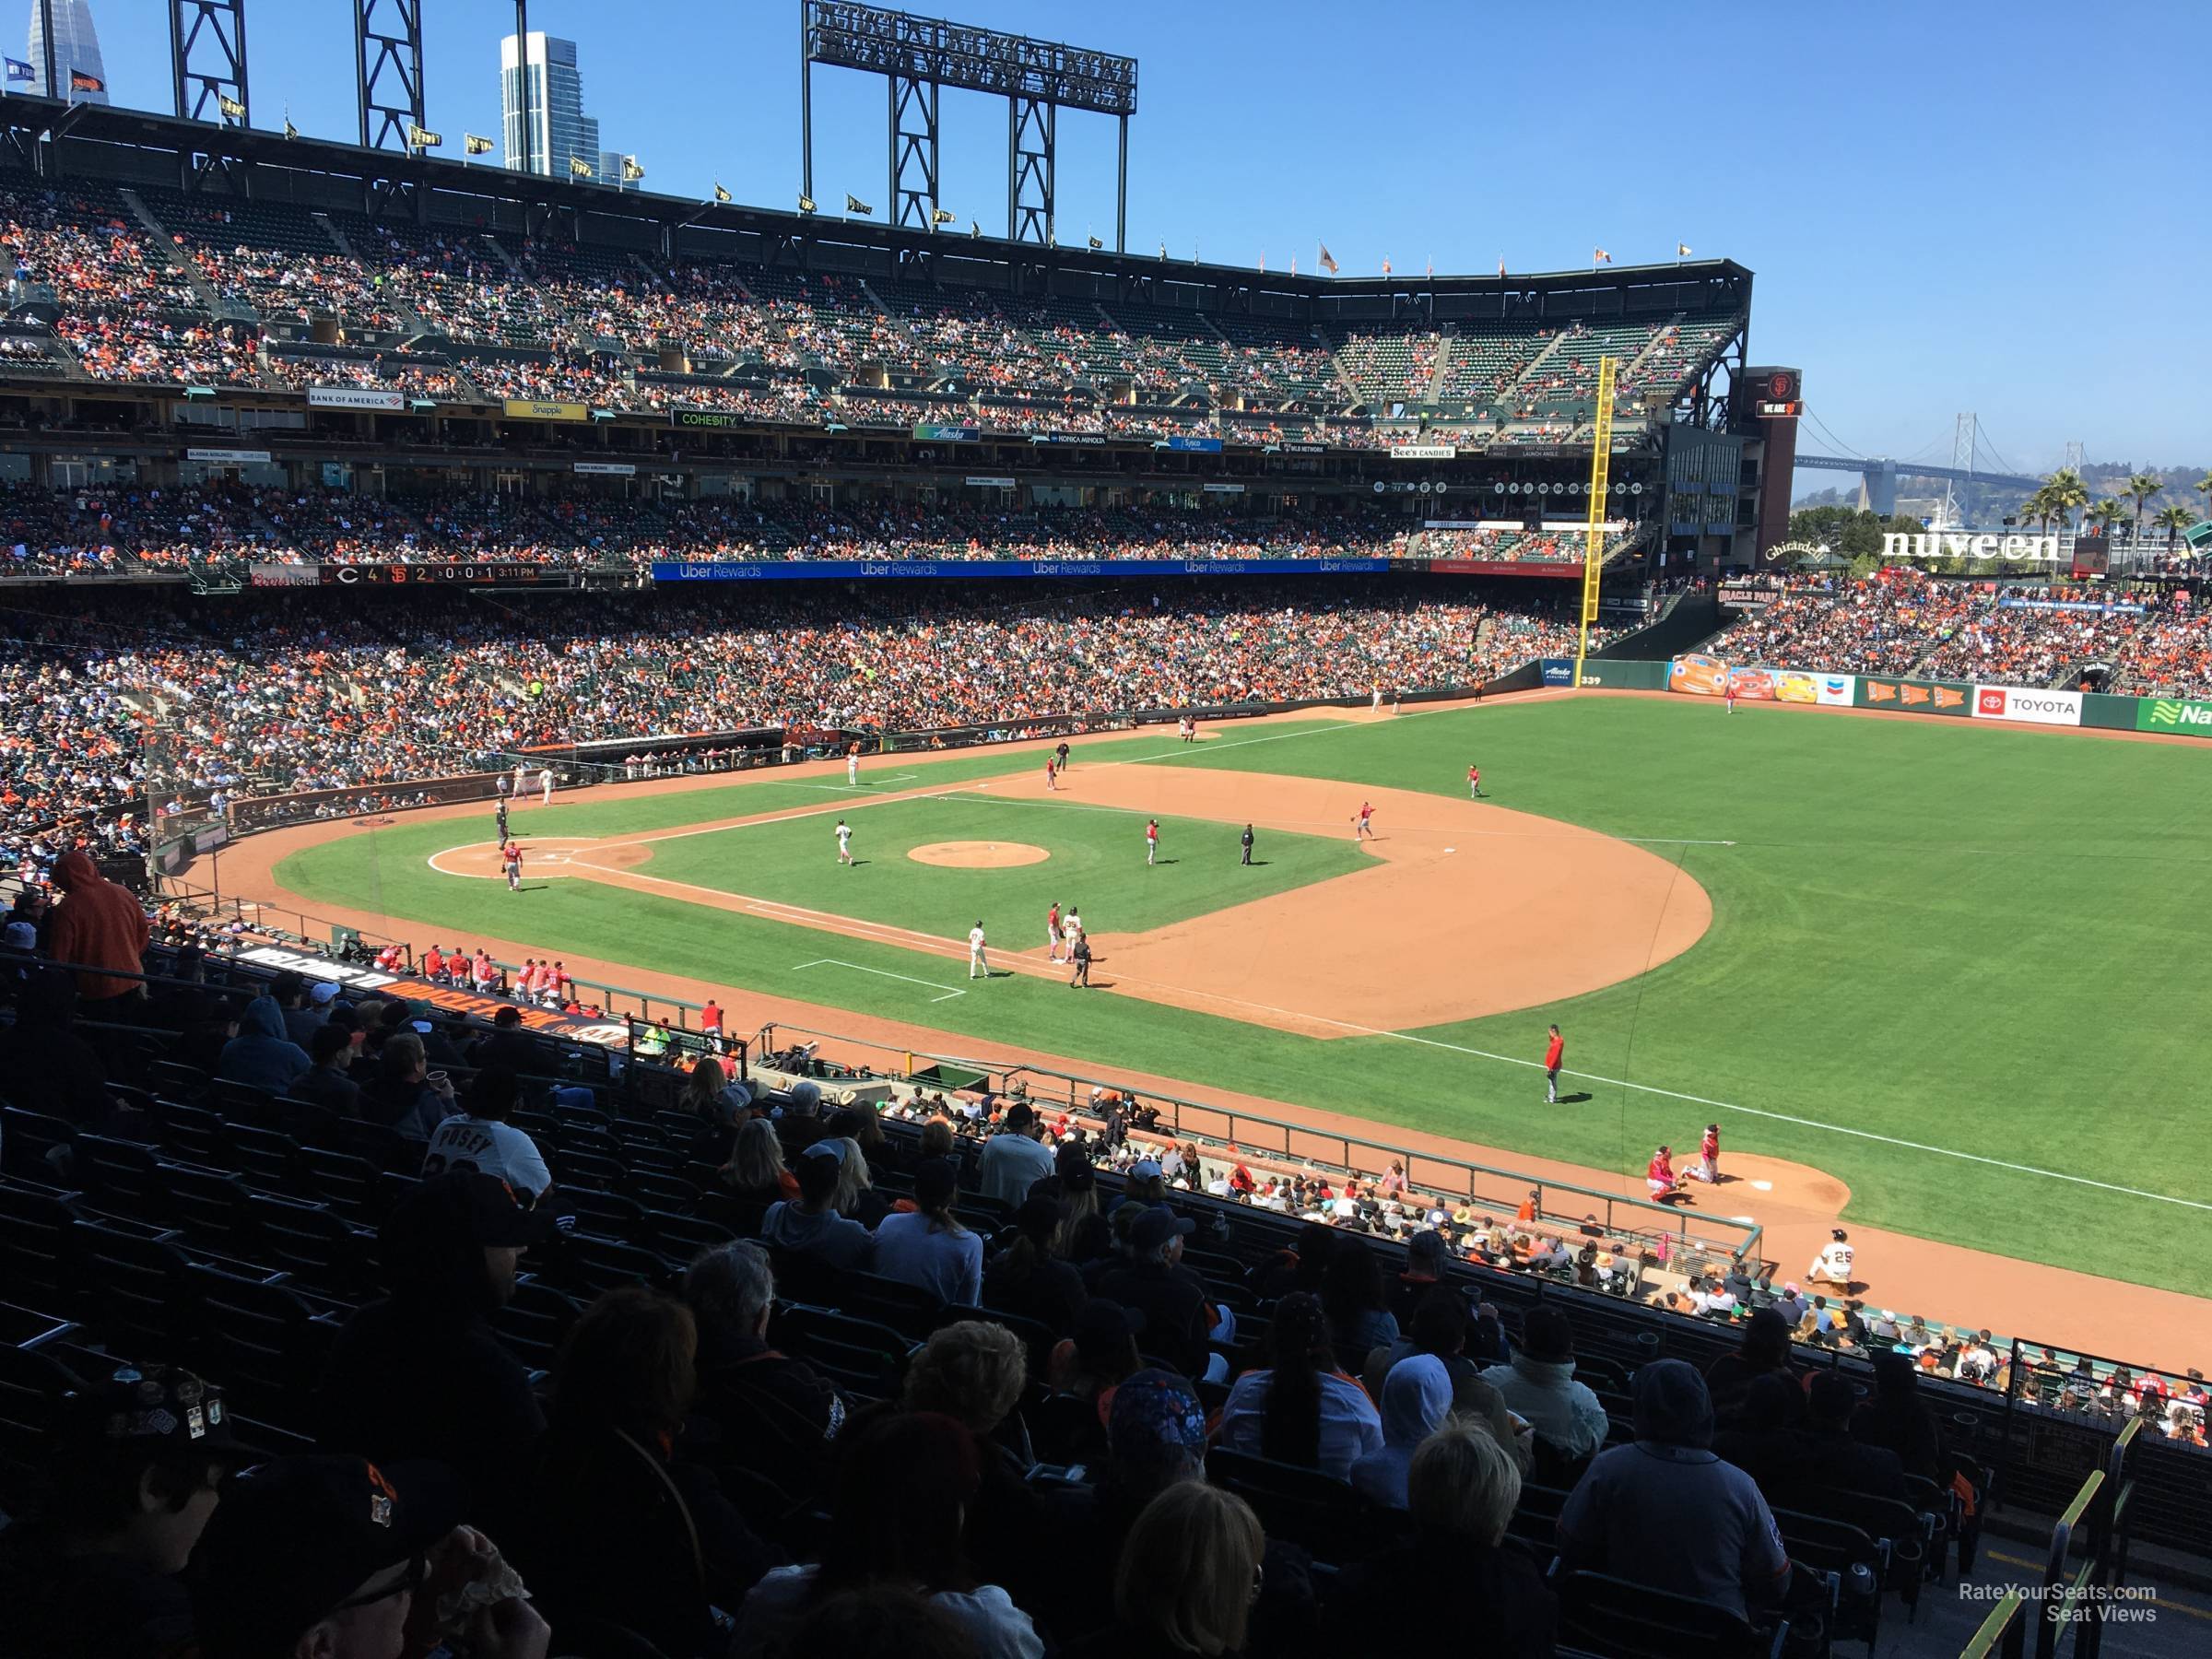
x,y
1052,773
1474,783
1555,1051
1365,822
1151,840
1659,1174
1052,930
1708,1166
1728,692
510,857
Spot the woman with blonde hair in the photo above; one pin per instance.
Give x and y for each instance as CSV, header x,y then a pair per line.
x,y
856,1197
1188,1577
756,1168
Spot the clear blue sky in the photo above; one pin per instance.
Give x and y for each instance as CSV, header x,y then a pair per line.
x,y
1962,206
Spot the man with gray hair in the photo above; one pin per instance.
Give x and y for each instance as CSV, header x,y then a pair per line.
x,y
778,1418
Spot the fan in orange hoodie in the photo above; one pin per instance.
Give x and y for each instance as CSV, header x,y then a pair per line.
x,y
96,924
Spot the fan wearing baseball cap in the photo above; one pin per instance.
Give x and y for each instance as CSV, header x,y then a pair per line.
x,y
1170,1296
132,1484
337,1557
419,1374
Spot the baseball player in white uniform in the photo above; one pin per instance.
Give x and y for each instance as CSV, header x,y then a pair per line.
x,y
844,842
1069,929
853,769
978,965
545,783
1834,1262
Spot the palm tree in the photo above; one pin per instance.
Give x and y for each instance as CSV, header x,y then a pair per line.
x,y
2037,507
2139,489
2067,493
2108,512
2174,520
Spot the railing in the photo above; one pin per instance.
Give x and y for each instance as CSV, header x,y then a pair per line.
x,y
1495,1190
2083,1598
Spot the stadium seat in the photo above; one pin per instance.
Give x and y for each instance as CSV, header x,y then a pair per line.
x,y
266,1344
1312,1509
1620,1620
315,1246
36,1147
36,1268
211,1207
532,1324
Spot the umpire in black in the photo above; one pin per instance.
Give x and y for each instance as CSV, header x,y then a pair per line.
x,y
1247,840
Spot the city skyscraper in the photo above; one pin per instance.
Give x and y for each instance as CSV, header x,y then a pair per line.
x,y
560,130
75,52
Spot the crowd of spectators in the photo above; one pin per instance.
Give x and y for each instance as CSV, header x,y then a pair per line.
x,y
1883,624
1129,1424
276,692
2017,635
576,323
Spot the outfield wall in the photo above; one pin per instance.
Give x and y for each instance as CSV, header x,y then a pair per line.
x,y
1697,674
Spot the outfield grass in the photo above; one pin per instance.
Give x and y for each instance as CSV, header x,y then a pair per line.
x,y
1977,939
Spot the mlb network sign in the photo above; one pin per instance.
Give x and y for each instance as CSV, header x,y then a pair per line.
x,y
2172,715
1951,544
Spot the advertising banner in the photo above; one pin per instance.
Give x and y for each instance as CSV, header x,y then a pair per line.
x,y
1558,671
611,469
932,433
1748,596
1500,566
1287,448
1194,446
1423,451
712,420
1834,691
1917,697
1222,489
2105,608
1087,440
229,457
2174,714
354,397
282,575
1697,674
988,483
2024,704
1791,686
995,569
525,409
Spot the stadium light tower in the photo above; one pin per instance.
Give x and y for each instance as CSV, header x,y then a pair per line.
x,y
921,57
207,59
387,55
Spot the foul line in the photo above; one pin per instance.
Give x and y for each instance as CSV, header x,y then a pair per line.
x,y
880,973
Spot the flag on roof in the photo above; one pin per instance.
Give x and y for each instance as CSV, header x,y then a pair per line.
x,y
854,204
423,138
941,216
1682,249
1599,256
475,143
1328,260
1386,266
79,81
1094,243
289,130
631,171
19,70
579,168
232,109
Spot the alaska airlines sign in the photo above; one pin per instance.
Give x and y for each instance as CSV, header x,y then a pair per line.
x,y
1961,544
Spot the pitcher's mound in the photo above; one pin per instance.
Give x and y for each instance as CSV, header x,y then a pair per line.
x,y
979,855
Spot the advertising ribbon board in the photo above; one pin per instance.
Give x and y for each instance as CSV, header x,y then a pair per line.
x,y
1501,567
2174,714
2028,705
1423,451
932,434
354,397
450,998
712,420
994,569
525,409
1834,691
1915,697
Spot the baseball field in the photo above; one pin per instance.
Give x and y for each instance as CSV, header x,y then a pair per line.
x,y
1954,968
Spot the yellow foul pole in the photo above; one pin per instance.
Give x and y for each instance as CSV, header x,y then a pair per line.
x,y
1594,537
